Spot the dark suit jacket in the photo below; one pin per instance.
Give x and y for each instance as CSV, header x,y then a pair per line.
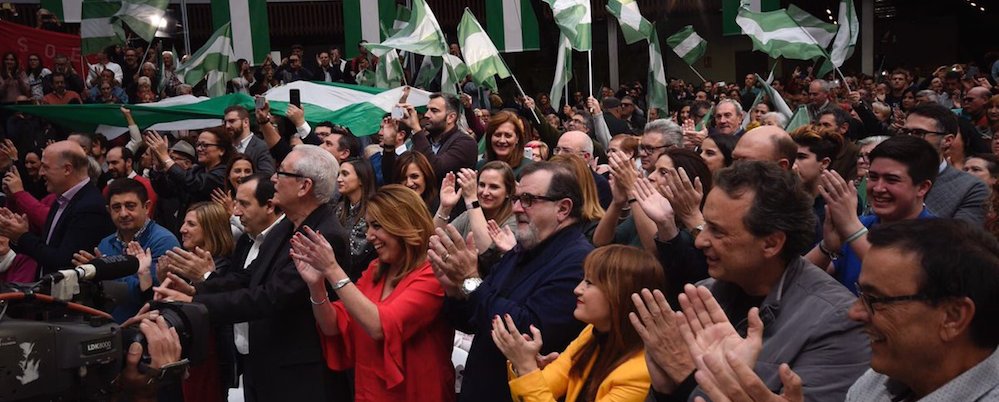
x,y
81,227
959,195
458,150
286,359
258,152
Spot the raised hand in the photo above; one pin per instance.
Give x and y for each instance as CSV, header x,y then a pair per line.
x,y
449,194
457,258
145,258
468,181
666,353
520,349
12,183
624,176
8,147
841,204
503,237
594,105
83,257
684,195
222,197
707,329
312,248
310,275
157,146
12,225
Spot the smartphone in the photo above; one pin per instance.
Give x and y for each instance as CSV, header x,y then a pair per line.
x,y
398,113
260,102
295,98
529,153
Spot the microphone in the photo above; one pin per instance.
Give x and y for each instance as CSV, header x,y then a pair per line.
x,y
101,269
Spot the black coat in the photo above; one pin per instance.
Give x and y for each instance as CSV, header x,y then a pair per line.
x,y
286,359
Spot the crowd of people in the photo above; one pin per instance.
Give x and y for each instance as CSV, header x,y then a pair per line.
x,y
598,251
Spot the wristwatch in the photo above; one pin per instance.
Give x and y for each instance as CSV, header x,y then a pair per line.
x,y
470,284
169,373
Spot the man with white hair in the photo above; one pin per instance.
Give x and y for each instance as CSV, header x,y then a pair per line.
x,y
660,135
285,359
728,118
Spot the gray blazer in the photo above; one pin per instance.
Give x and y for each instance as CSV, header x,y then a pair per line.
x,y
258,152
956,194
806,326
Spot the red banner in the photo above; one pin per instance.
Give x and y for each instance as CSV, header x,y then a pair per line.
x,y
24,40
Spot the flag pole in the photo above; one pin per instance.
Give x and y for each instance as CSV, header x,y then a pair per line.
x,y
589,68
695,72
146,53
522,93
826,54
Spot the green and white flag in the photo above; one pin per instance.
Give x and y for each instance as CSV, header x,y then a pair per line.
x,y
846,37
142,16
688,44
481,57
513,25
563,70
423,35
215,61
388,73
730,9
575,20
657,75
66,10
453,72
97,29
251,38
355,107
780,106
799,119
429,69
778,35
633,25
363,19
822,31
401,19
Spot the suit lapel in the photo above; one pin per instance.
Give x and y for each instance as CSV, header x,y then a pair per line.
x,y
270,251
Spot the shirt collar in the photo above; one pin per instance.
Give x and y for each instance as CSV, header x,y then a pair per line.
x,y
69,194
138,234
245,142
263,235
943,166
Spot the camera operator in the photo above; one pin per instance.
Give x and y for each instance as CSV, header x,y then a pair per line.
x,y
165,364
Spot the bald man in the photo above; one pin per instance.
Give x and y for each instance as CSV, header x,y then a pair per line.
x,y
766,143
581,145
76,221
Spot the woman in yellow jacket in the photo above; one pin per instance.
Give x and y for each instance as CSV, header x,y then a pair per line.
x,y
606,362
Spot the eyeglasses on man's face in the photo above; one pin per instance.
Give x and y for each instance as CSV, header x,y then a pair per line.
x,y
280,173
918,132
871,302
527,199
205,145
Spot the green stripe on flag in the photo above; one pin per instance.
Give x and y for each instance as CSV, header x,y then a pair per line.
x,y
575,20
363,19
688,44
730,10
512,25
563,70
822,31
215,61
481,57
96,29
422,35
634,27
778,35
250,27
657,75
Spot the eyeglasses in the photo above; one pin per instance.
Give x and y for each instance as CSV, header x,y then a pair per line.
x,y
202,145
290,174
871,301
650,149
528,199
917,132
627,105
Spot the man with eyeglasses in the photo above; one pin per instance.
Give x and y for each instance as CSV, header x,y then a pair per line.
x,y
928,305
237,123
532,283
285,360
757,220
659,136
973,107
955,194
60,63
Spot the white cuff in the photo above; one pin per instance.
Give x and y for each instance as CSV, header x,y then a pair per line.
x,y
206,275
7,260
303,130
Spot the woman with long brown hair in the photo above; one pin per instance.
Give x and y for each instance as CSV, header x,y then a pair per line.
x,y
506,140
606,362
413,170
388,327
592,211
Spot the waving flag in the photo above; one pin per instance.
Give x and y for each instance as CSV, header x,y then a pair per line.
x,y
575,20
422,35
215,61
633,25
481,57
688,44
513,25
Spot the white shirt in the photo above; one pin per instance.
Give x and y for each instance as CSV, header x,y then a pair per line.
x,y
245,142
241,330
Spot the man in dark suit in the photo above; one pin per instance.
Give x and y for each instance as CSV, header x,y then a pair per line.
x,y
446,147
237,122
955,194
76,221
285,360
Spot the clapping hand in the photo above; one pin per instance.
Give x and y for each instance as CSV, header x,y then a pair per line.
x,y
841,208
12,183
468,181
8,147
707,329
623,175
83,257
449,194
503,237
684,195
222,197
173,288
657,208
522,350
666,353
191,265
12,225
145,258
313,249
727,378
452,257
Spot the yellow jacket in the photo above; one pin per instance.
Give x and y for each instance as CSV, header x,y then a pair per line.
x,y
628,382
